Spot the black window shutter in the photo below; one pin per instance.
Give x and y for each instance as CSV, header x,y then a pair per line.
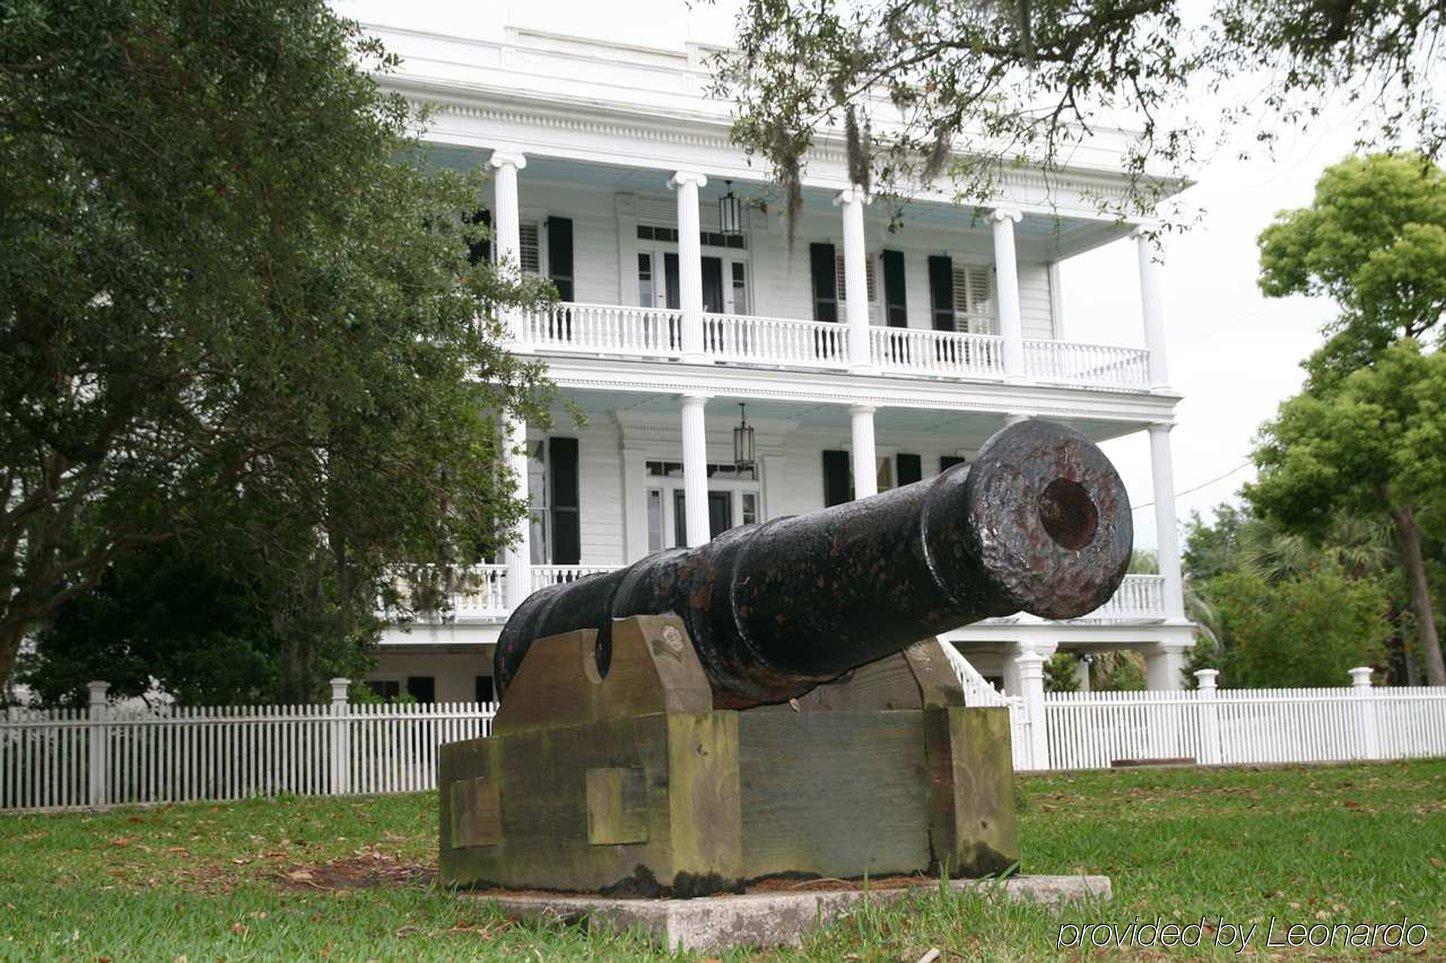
x,y
825,281
941,291
837,482
947,462
559,258
480,251
911,468
895,310
566,522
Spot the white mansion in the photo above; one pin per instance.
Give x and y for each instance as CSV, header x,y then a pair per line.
x,y
862,358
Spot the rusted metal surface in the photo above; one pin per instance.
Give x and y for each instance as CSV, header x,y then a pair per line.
x,y
1039,523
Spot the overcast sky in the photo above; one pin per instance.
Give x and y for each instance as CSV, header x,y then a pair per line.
x,y
1233,354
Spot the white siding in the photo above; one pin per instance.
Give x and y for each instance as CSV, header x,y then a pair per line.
x,y
1035,303
601,494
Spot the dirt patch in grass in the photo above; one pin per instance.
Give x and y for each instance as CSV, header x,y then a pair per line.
x,y
368,869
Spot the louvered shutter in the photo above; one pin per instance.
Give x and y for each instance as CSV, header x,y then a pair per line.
x,y
837,481
896,313
559,255
825,282
566,519
941,291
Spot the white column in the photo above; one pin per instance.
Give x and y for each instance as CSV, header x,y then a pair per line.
x,y
1029,668
1164,667
1006,281
865,459
1210,754
690,265
506,230
695,468
517,556
1151,308
1167,540
1366,712
856,278
1082,671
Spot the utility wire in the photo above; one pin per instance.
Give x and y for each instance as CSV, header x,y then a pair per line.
x,y
1203,484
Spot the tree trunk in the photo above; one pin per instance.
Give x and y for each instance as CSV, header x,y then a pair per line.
x,y
1409,536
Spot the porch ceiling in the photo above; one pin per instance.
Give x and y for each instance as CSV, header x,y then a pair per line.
x,y
964,429
1058,237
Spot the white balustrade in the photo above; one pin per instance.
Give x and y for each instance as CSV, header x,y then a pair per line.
x,y
1140,598
636,332
481,592
951,354
749,339
545,575
610,329
1087,365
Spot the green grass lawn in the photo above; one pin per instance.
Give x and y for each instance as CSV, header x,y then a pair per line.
x,y
350,879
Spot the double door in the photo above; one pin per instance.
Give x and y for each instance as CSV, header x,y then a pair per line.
x,y
725,282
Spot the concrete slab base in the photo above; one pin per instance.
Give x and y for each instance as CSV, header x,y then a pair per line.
x,y
767,919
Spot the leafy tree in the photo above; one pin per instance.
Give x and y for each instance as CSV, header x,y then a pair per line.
x,y
1376,447
236,313
1029,79
1374,241
1303,631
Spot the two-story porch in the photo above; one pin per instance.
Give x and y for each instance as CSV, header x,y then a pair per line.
x,y
874,341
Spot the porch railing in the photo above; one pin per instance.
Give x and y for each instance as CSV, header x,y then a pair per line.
x,y
1139,598
750,339
1087,365
633,332
940,353
545,575
606,329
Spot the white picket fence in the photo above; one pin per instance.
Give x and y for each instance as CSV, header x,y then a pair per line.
x,y
103,755
1094,730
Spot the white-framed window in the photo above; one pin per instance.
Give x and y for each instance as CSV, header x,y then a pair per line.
x,y
974,299
540,517
530,253
734,498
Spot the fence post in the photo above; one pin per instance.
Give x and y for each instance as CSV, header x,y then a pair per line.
x,y
1365,712
340,739
98,745
1210,753
1031,686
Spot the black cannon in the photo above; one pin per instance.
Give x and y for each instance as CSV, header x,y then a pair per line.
x,y
1039,522
772,703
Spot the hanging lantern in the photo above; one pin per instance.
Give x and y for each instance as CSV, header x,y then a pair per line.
x,y
743,442
730,217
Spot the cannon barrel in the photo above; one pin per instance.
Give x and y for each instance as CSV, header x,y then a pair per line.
x,y
1039,522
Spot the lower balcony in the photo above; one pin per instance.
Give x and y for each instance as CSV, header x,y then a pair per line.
x,y
655,334
483,597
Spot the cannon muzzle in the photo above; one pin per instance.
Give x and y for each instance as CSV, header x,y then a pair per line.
x,y
1039,523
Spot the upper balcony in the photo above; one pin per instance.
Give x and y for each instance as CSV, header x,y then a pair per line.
x,y
656,334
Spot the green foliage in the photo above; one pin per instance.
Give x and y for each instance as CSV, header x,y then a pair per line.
x,y
1373,240
1059,673
1304,631
1371,446
236,312
970,90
